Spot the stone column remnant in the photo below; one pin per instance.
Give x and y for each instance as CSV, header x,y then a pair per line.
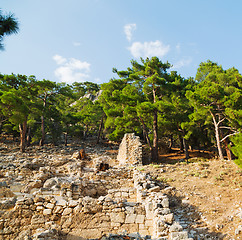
x,y
130,150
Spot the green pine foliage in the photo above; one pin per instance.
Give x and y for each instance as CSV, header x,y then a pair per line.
x,y
237,149
146,98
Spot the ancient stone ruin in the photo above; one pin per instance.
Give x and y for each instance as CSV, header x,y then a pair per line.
x,y
130,150
52,194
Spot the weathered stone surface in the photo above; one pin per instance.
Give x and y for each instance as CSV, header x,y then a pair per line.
x,y
47,212
130,218
165,202
176,228
63,202
140,219
130,150
50,234
37,219
67,211
50,183
178,235
154,189
117,217
8,203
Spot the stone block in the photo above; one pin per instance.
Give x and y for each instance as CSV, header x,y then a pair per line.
x,y
40,208
58,209
130,218
73,203
67,211
169,218
149,215
50,205
129,210
143,232
178,235
165,202
176,228
115,224
39,204
154,189
117,217
140,219
61,202
149,223
47,211
133,227
77,209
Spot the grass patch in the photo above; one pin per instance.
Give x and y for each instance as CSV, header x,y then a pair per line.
x,y
141,169
156,166
165,180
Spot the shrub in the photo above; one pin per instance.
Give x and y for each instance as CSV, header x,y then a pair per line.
x,y
237,149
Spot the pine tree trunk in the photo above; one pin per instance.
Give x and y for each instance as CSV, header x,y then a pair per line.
x,y
22,130
155,156
65,139
216,126
28,138
145,132
171,143
85,133
41,143
185,148
228,152
220,152
181,143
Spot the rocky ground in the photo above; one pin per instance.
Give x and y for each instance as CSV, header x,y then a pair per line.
x,y
206,196
206,192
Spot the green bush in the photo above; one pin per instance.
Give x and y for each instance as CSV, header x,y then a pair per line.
x,y
237,149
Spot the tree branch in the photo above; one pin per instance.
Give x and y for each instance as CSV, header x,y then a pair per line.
x,y
229,136
221,120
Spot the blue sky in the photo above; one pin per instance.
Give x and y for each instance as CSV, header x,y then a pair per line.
x,y
82,40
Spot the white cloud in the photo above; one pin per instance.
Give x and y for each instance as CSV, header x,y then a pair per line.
x,y
71,70
59,59
183,63
128,30
149,49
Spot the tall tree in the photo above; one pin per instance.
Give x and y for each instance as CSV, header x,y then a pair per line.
x,y
16,101
8,25
142,87
218,99
46,93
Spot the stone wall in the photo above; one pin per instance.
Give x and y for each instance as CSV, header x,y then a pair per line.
x,y
130,150
141,208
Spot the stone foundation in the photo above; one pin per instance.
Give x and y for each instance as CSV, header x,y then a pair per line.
x,y
141,208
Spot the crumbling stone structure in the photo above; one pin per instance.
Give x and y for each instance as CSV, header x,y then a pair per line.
x,y
142,207
130,150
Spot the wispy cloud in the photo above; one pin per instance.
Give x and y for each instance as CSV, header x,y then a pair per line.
x,y
149,49
182,63
71,70
59,59
128,30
